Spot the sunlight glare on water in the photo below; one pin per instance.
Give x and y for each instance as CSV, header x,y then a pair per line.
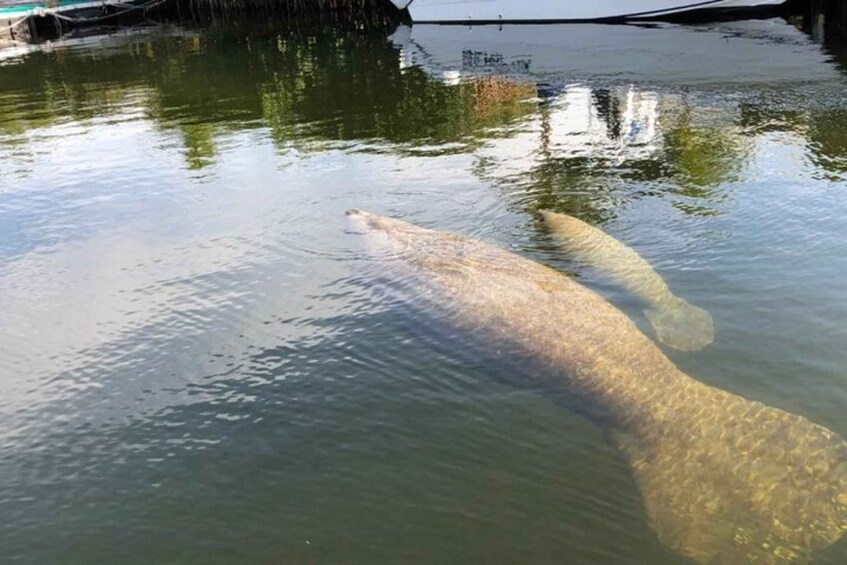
x,y
199,362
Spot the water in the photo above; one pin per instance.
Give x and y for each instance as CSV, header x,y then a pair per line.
x,y
194,367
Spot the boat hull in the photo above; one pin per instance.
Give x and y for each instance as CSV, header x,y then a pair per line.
x,y
536,11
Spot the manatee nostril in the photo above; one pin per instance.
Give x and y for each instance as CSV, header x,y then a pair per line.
x,y
352,212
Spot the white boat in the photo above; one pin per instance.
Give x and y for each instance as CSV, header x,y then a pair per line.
x,y
529,11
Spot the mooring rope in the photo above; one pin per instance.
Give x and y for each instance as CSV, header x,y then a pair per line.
x,y
19,22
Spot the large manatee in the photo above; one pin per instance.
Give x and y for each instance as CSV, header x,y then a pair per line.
x,y
677,323
724,479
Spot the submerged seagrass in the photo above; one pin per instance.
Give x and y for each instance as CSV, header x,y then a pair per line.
x,y
677,323
724,479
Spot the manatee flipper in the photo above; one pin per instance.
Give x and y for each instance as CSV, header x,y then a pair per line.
x,y
677,323
681,325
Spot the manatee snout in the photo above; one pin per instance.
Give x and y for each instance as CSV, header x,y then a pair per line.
x,y
384,237
360,220
376,223
365,219
356,216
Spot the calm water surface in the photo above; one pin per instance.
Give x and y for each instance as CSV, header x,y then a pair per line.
x,y
194,368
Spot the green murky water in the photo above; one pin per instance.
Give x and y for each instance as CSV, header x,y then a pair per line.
x,y
194,370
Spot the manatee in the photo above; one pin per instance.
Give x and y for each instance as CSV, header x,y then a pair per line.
x,y
723,479
677,323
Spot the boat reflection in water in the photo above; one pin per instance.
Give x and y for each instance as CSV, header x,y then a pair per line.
x,y
724,480
596,116
742,52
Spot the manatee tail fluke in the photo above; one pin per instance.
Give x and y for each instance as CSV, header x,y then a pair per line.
x,y
681,325
741,483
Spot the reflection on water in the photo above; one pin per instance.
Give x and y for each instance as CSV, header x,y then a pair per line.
x,y
586,138
191,364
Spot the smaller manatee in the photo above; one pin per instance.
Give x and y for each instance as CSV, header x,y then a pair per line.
x,y
677,323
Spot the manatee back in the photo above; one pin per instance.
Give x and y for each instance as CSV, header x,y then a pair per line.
x,y
724,479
